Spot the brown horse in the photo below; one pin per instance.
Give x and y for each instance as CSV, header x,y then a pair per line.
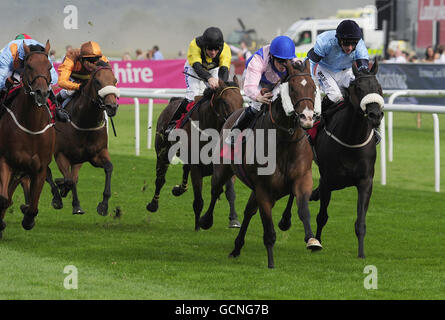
x,y
288,116
85,137
215,107
27,137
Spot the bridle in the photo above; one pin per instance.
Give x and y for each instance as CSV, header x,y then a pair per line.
x,y
27,86
295,115
355,83
98,100
219,95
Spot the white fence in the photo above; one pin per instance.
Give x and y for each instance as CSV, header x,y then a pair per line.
x,y
389,109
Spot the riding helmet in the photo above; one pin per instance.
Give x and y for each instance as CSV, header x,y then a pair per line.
x,y
22,36
348,29
282,47
212,37
90,49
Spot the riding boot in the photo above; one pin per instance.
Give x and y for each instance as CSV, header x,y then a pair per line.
x,y
181,109
61,114
241,123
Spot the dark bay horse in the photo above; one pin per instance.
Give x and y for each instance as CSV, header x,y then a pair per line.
x,y
346,150
216,106
27,137
288,116
85,138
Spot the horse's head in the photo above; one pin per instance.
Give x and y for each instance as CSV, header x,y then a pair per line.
x,y
37,72
103,83
226,99
365,93
298,93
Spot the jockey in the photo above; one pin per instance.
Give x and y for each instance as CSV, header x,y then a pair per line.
x,y
11,67
208,58
264,70
331,63
77,67
332,56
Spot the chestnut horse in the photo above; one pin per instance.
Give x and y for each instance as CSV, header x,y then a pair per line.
x,y
27,137
287,116
346,150
215,107
84,138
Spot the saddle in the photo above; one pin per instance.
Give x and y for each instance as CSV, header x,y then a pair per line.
x,y
8,97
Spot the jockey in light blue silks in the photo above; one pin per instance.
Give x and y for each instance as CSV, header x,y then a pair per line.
x,y
12,57
11,66
332,57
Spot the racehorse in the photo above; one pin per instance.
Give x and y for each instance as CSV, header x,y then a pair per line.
x,y
27,137
288,116
214,108
346,150
84,138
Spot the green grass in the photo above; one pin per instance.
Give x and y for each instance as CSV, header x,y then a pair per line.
x,y
144,255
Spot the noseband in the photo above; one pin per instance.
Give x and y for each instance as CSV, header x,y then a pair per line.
x,y
28,85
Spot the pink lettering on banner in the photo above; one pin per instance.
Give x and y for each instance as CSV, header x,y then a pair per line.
x,y
148,74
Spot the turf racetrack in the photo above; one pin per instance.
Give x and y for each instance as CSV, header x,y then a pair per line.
x,y
142,255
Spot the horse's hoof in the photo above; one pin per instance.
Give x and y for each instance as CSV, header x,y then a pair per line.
x,y
313,244
102,209
78,210
2,225
206,223
234,254
153,206
57,203
178,190
284,225
28,222
234,223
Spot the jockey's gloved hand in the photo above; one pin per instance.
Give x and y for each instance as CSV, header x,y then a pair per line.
x,y
62,115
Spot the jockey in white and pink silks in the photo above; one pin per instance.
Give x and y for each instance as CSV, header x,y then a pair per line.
x,y
264,70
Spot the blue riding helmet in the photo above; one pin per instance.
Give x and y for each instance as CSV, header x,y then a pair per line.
x,y
348,29
282,47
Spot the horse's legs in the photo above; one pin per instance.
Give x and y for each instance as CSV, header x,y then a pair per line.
x,y
64,167
265,205
57,202
364,195
231,196
162,164
198,202
5,178
76,203
249,212
181,188
31,211
302,191
322,218
221,173
102,160
285,221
